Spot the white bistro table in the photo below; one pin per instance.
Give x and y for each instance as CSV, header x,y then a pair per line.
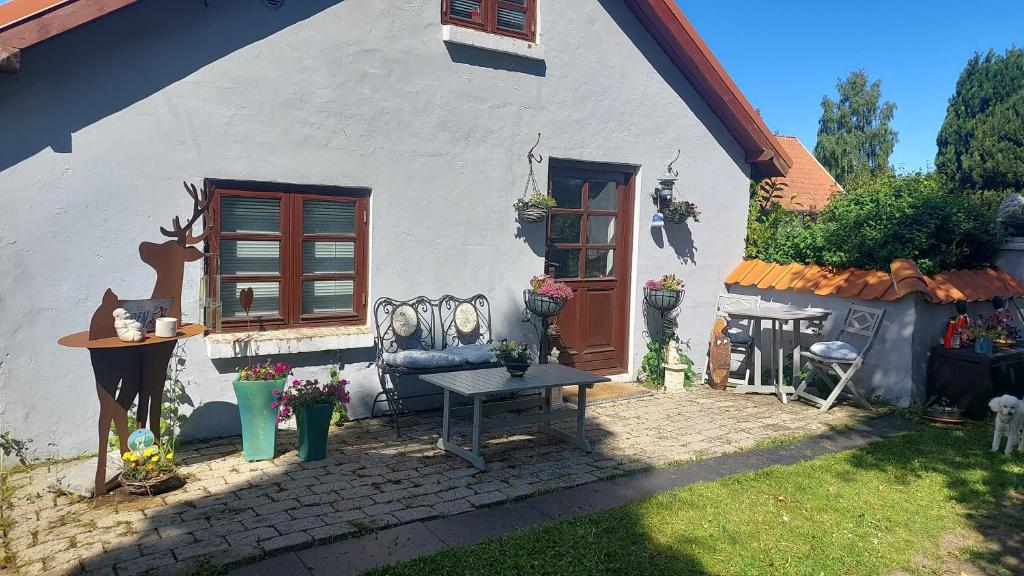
x,y
777,315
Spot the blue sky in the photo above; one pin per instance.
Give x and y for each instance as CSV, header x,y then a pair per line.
x,y
786,55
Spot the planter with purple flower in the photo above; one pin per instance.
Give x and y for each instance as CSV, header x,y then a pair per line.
x,y
255,389
314,405
545,297
680,211
663,294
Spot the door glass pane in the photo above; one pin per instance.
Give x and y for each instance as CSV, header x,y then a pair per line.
x,y
566,263
600,229
600,263
266,299
328,217
328,257
250,214
565,228
603,195
466,9
567,192
511,19
327,296
250,257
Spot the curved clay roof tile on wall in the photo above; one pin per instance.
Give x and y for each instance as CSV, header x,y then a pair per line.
x,y
904,278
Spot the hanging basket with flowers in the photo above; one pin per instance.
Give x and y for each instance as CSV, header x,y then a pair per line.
x,y
680,211
545,297
534,205
663,293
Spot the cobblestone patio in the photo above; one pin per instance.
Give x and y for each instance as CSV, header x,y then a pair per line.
x,y
232,511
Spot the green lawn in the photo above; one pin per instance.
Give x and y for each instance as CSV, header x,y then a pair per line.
x,y
868,511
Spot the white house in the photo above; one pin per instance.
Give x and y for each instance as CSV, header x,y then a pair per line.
x,y
404,123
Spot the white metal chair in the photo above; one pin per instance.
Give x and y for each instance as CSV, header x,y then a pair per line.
x,y
842,356
740,333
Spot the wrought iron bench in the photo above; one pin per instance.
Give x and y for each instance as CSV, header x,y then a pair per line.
x,y
408,342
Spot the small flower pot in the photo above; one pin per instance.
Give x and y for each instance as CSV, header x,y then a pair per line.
x,y
661,299
153,486
517,369
543,305
983,346
313,423
259,419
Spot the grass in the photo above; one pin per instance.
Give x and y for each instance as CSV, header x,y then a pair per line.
x,y
869,511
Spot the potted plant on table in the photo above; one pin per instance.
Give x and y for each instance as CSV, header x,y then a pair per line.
x,y
150,470
545,297
984,333
663,293
514,355
255,388
313,404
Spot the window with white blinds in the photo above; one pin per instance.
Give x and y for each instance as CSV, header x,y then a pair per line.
x,y
515,18
303,256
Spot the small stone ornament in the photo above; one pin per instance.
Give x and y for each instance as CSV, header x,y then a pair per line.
x,y
128,330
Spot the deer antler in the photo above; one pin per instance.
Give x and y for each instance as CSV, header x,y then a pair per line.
x,y
200,205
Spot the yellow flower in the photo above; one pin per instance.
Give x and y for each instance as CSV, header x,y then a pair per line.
x,y
170,456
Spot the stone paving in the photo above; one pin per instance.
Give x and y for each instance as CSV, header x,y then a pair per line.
x,y
232,511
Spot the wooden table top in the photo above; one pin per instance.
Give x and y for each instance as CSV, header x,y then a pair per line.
x,y
495,380
81,339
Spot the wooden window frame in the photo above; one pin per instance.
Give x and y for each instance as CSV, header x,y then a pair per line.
x,y
489,18
290,275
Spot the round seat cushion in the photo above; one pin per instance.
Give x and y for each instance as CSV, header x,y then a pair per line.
x,y
738,336
835,350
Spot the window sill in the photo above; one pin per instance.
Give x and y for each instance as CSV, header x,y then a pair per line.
x,y
288,341
493,42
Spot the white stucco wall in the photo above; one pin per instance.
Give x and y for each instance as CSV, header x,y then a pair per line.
x,y
105,122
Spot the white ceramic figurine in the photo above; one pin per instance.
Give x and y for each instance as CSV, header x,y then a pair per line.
x,y
128,330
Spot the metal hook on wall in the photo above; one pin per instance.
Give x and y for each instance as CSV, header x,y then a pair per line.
x,y
669,169
530,155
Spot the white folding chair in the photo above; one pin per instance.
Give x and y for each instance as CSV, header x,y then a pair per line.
x,y
740,333
842,357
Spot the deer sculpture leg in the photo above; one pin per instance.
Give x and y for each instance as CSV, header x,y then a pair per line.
x,y
117,386
154,376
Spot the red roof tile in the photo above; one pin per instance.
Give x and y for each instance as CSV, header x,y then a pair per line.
x,y
808,185
902,279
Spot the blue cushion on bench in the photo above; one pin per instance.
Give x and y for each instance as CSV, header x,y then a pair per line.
x,y
418,359
472,353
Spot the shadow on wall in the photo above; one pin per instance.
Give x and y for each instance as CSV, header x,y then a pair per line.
x,y
533,235
496,60
679,237
70,82
661,63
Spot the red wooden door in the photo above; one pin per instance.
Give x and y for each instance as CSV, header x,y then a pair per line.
x,y
589,240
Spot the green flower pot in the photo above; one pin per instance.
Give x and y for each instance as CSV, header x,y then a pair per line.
x,y
259,419
313,423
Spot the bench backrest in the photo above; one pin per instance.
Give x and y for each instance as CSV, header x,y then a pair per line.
x,y
464,320
418,311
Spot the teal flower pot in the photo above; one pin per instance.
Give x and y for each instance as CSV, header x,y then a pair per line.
x,y
259,419
313,423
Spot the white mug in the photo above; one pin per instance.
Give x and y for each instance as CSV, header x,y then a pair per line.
x,y
166,327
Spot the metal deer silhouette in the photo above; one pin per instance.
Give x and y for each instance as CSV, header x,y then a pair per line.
x,y
126,374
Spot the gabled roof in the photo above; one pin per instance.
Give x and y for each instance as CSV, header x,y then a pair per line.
x,y
24,23
902,279
808,184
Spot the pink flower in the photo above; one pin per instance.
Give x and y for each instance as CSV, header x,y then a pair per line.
x,y
277,392
275,404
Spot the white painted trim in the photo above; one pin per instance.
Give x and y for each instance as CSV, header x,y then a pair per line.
x,y
493,42
634,268
288,341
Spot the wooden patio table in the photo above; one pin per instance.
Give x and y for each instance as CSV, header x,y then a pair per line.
x,y
478,385
777,316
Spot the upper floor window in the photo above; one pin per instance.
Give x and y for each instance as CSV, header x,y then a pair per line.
x,y
304,255
515,18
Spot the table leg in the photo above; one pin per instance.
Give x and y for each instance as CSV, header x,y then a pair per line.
x,y
581,420
780,354
446,416
444,443
757,353
478,418
796,354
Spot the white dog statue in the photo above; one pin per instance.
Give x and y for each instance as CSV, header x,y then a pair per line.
x,y
1009,418
128,330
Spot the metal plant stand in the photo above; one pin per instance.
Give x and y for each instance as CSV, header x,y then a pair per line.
x,y
664,303
542,308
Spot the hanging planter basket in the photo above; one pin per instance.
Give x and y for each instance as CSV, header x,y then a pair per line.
x,y
661,299
533,215
543,305
153,486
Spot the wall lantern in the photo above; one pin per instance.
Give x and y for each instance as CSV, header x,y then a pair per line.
x,y
662,195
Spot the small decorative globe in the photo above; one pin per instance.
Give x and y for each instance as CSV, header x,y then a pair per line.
x,y
141,439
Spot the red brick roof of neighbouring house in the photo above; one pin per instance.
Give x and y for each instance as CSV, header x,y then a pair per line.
x,y
903,278
808,184
24,23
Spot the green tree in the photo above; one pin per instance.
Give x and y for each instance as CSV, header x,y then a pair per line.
x,y
981,143
855,138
